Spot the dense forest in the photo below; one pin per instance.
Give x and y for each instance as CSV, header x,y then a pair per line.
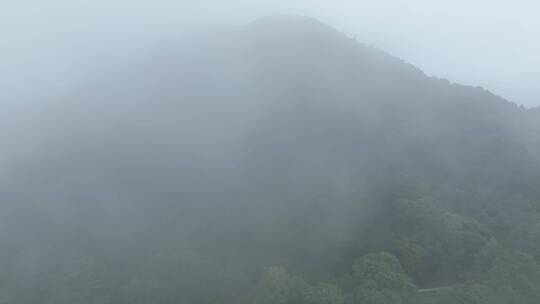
x,y
280,162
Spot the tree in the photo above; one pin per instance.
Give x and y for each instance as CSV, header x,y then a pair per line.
x,y
323,293
380,280
436,246
503,276
279,287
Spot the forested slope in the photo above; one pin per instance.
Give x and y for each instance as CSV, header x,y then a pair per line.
x,y
277,162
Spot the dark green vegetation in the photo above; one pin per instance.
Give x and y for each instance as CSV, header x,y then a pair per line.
x,y
277,163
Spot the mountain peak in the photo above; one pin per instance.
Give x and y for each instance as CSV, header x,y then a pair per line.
x,y
291,22
296,26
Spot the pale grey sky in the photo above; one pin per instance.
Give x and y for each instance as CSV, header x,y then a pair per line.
x,y
46,44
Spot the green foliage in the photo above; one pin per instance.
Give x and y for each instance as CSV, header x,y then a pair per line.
x,y
503,276
380,279
436,245
324,293
500,276
385,296
277,286
412,256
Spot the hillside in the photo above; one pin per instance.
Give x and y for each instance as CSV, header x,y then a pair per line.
x,y
220,165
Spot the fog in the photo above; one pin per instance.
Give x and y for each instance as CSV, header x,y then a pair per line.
x,y
488,43
269,152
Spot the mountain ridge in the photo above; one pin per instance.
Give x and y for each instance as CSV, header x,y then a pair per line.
x,y
282,142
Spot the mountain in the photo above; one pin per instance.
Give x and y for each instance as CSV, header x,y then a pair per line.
x,y
282,142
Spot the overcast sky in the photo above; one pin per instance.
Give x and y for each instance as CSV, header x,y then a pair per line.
x,y
47,46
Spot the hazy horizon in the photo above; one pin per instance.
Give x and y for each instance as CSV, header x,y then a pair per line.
x,y
57,44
